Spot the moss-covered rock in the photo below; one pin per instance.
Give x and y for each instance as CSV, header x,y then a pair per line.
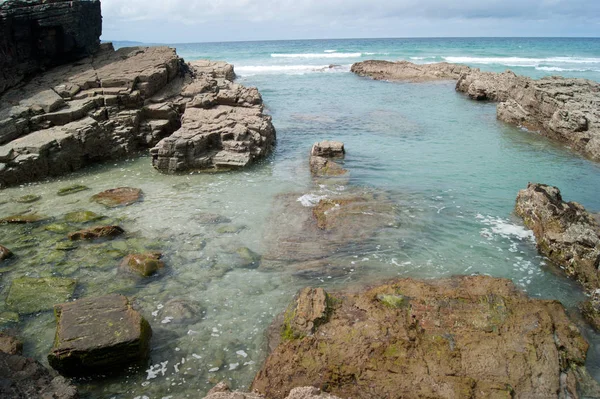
x,y
29,217
71,189
115,197
97,232
248,258
29,295
145,264
9,317
101,334
28,199
57,227
230,229
82,217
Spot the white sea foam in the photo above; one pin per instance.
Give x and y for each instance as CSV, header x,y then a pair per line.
x,y
249,70
503,228
557,69
310,199
317,55
330,51
521,61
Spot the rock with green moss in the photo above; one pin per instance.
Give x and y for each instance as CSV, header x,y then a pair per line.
x,y
115,197
392,300
65,246
28,199
9,317
71,189
57,227
98,335
30,295
247,258
97,232
23,218
230,229
309,311
145,264
82,217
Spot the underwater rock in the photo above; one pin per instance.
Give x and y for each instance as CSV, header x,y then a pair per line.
x,y
181,311
23,218
565,232
28,199
10,345
230,229
30,295
463,337
82,217
97,232
249,259
71,190
115,197
5,253
98,335
145,264
211,218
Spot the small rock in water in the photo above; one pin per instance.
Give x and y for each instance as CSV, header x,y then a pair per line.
x,y
96,232
24,218
211,218
29,295
5,253
27,199
71,189
230,229
82,217
145,264
115,197
57,227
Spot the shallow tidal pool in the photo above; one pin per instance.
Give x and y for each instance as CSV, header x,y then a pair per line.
x,y
450,170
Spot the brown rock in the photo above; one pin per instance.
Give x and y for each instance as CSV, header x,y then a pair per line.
x,y
465,337
10,345
145,264
96,233
565,232
321,164
328,149
23,218
309,311
115,197
5,253
98,335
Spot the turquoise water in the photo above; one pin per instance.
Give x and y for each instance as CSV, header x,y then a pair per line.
x,y
451,170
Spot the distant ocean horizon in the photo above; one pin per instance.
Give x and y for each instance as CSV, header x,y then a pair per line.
x,y
530,56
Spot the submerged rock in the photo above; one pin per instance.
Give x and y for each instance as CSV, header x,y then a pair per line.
x,y
465,337
10,345
565,232
97,232
82,217
28,199
181,311
144,264
115,197
24,218
5,253
71,189
98,335
29,295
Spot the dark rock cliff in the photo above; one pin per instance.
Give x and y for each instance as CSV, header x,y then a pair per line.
x,y
36,34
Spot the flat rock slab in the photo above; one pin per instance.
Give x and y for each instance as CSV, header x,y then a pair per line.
x,y
98,335
464,337
115,197
30,295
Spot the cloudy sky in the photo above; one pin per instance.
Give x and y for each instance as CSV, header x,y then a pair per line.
x,y
181,21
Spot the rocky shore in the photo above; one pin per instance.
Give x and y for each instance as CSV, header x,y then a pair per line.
x,y
564,109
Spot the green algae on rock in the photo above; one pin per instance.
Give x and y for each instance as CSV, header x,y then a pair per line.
x,y
23,218
28,199
249,259
82,217
144,264
230,229
29,295
115,197
72,189
98,335
463,337
97,232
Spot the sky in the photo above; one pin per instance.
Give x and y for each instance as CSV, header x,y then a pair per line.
x,y
187,21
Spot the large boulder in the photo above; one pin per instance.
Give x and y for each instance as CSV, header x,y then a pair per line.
x,y
37,34
565,232
98,335
465,337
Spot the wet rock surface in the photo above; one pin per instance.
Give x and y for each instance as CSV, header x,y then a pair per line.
x,y
565,232
564,109
114,104
29,295
97,232
36,34
465,337
98,335
115,197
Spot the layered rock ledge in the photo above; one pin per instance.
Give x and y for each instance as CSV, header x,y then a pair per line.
x,y
117,103
465,337
564,109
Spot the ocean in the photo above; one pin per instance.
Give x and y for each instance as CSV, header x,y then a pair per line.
x,y
450,168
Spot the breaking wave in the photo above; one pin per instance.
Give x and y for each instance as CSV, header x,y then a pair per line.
x,y
317,55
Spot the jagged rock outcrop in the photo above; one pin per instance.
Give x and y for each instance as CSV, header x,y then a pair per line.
x,y
37,34
565,232
223,125
407,71
564,109
464,337
117,103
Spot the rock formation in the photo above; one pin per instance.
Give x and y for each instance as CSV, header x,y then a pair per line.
x,y
117,103
97,335
465,337
565,232
407,71
563,109
323,156
37,34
